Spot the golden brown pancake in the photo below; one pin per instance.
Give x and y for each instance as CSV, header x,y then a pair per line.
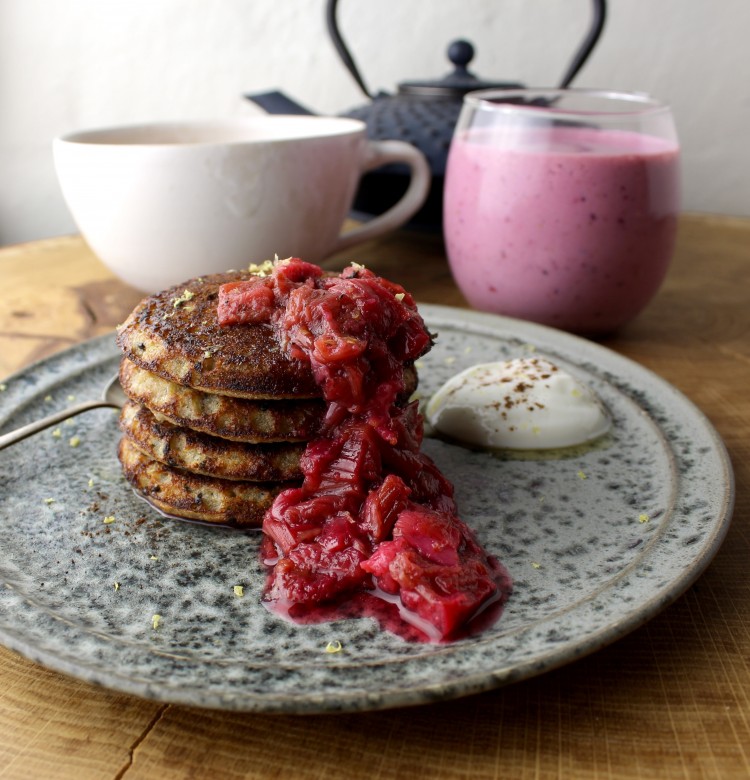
x,y
176,334
196,497
202,454
237,419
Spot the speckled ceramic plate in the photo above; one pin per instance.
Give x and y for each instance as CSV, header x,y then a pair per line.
x,y
597,543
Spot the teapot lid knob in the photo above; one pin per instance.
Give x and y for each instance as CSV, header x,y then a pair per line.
x,y
455,84
460,53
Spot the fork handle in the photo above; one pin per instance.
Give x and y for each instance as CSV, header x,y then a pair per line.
x,y
12,437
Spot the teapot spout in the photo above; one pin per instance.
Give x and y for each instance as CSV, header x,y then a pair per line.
x,y
277,103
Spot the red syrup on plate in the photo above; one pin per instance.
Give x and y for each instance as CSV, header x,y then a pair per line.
x,y
373,530
386,609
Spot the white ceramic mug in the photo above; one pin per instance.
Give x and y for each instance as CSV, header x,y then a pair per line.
x,y
163,202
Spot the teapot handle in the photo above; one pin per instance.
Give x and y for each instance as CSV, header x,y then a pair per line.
x,y
588,43
581,55
341,47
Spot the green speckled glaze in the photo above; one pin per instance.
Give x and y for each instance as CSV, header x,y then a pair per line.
x,y
597,542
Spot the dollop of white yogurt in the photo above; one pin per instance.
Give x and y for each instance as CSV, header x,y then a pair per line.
x,y
520,404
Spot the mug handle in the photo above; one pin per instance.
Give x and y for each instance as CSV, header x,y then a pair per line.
x,y
382,153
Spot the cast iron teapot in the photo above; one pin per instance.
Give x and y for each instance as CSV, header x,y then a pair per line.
x,y
423,113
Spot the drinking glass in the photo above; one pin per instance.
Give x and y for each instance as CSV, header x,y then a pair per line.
x,y
561,205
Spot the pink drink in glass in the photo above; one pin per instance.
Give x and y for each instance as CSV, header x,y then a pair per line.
x,y
571,226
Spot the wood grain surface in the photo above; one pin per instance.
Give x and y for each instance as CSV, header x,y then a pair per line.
x,y
670,700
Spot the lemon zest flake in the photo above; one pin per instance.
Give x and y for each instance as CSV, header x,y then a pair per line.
x,y
581,475
155,620
117,586
49,501
74,441
109,519
263,269
239,591
643,518
334,647
57,433
184,298
536,565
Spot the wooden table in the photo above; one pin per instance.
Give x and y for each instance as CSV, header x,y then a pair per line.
x,y
672,699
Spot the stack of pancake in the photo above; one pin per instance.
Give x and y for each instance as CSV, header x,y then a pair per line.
x,y
217,418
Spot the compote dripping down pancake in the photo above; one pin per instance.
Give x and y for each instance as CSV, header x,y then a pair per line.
x,y
373,513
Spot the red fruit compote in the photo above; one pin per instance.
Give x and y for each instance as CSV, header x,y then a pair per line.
x,y
373,529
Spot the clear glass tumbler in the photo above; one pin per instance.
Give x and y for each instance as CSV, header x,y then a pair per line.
x,y
561,205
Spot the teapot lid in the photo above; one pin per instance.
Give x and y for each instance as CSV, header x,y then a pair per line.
x,y
457,83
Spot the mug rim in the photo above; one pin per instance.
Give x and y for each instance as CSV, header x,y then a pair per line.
x,y
630,103
290,126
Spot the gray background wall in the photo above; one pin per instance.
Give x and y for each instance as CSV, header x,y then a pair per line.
x,y
69,64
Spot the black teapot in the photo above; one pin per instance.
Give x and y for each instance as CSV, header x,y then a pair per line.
x,y
423,113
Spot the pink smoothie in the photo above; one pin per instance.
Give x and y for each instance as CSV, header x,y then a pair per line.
x,y
573,229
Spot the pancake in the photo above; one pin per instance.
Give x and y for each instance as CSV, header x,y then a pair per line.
x,y
237,419
176,335
207,455
196,497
